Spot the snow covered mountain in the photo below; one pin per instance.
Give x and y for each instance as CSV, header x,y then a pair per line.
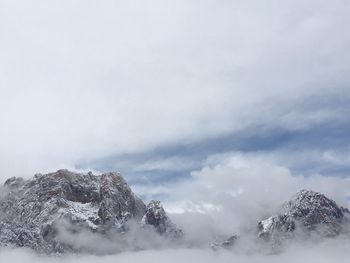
x,y
72,212
307,213
39,213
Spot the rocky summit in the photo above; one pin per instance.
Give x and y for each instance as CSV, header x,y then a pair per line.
x,y
72,212
307,213
35,213
226,244
156,216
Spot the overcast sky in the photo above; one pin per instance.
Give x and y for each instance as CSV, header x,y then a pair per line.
x,y
221,109
157,89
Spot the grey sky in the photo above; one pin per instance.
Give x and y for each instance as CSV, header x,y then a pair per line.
x,y
81,81
222,109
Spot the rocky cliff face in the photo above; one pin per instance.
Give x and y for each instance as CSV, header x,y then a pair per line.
x,y
40,213
156,216
308,212
226,244
34,213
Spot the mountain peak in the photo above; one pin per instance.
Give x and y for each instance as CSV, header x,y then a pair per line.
x,y
308,211
156,216
34,213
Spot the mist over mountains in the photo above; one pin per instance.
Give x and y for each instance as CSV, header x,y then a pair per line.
x,y
228,122
72,213
65,212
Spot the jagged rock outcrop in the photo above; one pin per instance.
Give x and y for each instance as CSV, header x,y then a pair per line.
x,y
39,213
156,217
48,212
308,212
117,201
225,244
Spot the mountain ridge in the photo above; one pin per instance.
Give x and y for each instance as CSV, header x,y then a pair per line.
x,y
48,212
35,212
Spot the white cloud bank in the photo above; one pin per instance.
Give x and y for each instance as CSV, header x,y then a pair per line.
x,y
234,192
85,79
332,251
226,197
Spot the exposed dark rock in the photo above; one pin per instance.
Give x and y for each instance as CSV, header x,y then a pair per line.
x,y
14,182
36,213
117,202
156,217
308,212
225,244
39,213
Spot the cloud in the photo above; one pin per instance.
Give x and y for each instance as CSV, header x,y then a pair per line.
x,y
229,195
332,251
83,80
235,191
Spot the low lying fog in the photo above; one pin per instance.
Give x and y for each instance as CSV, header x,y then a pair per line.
x,y
330,251
221,200
83,80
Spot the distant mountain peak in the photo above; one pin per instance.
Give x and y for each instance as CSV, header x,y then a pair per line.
x,y
34,212
307,211
40,213
156,216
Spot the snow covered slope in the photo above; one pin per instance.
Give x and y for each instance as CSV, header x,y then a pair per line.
x,y
308,213
35,213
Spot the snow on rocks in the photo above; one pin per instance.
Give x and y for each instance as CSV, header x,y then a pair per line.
x,y
34,213
156,217
226,244
307,212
